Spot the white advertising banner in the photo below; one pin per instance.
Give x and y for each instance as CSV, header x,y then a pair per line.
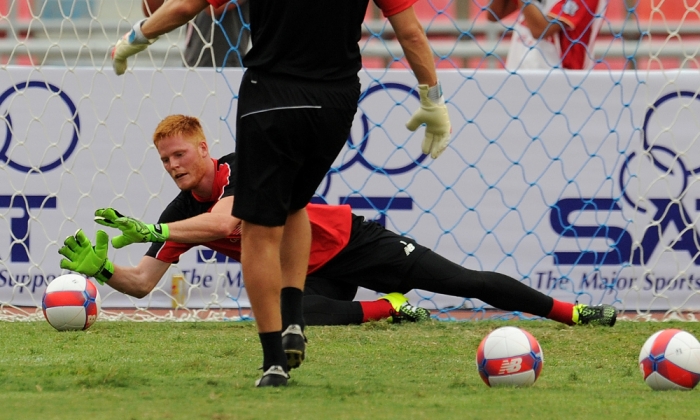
x,y
571,182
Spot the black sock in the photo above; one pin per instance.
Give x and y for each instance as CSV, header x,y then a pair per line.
x,y
292,307
320,310
273,354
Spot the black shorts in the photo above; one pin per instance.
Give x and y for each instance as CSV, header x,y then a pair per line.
x,y
288,134
375,258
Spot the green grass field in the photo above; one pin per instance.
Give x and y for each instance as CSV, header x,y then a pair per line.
x,y
206,370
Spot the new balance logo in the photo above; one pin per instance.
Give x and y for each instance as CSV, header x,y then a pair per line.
x,y
511,365
408,248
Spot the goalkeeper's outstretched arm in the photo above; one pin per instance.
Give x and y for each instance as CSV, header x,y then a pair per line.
x,y
82,257
138,281
216,224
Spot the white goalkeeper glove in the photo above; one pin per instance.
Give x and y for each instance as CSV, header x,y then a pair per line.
x,y
432,113
131,43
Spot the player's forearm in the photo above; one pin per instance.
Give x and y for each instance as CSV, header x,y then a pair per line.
x,y
538,24
414,43
420,58
171,15
138,281
205,227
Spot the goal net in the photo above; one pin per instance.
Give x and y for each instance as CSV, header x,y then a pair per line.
x,y
581,184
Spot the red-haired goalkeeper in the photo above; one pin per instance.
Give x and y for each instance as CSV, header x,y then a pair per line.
x,y
347,251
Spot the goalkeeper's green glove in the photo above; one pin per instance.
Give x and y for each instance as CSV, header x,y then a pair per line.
x,y
131,43
432,113
133,230
83,258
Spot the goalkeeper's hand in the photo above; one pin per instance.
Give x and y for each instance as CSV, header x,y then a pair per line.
x,y
131,43
133,230
432,113
83,258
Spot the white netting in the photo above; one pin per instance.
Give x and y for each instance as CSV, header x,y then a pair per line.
x,y
582,184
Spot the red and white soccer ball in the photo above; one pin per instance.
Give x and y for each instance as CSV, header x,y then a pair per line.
x,y
509,356
71,302
670,359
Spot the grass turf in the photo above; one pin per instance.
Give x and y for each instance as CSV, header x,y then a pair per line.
x,y
206,370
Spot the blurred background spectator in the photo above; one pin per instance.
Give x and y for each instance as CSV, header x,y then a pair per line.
x,y
551,33
216,37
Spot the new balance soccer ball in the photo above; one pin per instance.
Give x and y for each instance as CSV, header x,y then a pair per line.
x,y
509,356
71,302
670,359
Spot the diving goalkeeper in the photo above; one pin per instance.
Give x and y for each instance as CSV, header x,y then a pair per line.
x,y
346,251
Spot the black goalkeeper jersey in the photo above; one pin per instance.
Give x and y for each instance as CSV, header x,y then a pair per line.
x,y
310,39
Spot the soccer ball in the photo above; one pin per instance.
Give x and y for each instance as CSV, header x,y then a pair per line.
x,y
71,302
670,359
509,356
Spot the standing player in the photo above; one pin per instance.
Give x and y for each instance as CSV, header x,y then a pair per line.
x,y
346,251
296,104
551,33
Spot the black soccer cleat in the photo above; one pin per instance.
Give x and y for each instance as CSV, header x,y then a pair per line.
x,y
294,345
275,376
603,314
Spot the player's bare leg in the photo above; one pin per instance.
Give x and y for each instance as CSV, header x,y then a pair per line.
x,y
295,248
262,273
294,252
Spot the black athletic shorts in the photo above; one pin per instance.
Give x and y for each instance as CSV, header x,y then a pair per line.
x,y
375,258
288,134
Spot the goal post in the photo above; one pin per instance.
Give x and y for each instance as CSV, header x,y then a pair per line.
x,y
580,184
